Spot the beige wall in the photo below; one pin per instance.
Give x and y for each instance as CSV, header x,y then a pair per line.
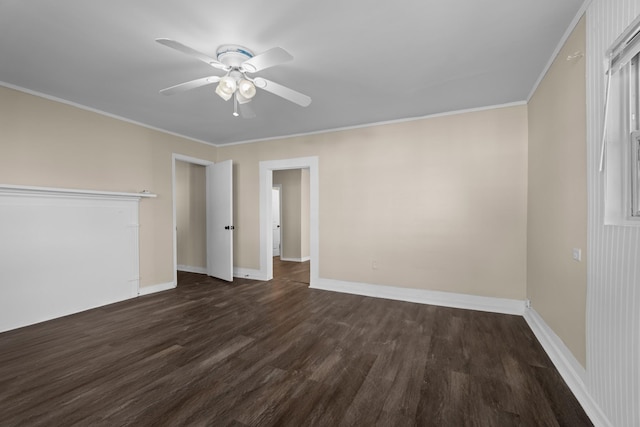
x,y
438,203
45,143
557,204
191,215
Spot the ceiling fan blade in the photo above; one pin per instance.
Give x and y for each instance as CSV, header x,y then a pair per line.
x,y
192,52
270,58
282,91
190,85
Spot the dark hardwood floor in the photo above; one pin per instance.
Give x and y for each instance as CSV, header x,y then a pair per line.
x,y
279,353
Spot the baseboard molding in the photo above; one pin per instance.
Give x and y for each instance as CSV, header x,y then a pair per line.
x,y
303,259
569,368
249,273
189,269
146,290
422,296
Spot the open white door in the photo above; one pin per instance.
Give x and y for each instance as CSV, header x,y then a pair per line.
x,y
275,204
220,221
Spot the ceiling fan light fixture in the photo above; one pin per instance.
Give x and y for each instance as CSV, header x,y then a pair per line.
x,y
246,89
226,87
241,99
236,61
222,94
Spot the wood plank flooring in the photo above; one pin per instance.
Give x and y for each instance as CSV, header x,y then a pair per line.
x,y
279,353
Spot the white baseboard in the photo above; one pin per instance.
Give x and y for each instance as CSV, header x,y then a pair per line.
x,y
422,296
146,290
249,273
189,269
303,259
569,368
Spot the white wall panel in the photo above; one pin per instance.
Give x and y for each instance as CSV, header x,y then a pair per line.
x,y
613,319
64,252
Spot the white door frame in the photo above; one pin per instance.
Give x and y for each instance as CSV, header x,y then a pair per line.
x,y
188,159
266,233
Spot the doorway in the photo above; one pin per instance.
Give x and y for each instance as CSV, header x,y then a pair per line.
x,y
191,217
267,169
219,216
294,214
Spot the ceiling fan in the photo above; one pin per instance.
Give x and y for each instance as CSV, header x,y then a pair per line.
x,y
238,63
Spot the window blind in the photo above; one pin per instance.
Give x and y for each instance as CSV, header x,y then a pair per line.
x,y
618,56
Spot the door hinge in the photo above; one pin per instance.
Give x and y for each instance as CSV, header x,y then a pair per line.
x,y
229,227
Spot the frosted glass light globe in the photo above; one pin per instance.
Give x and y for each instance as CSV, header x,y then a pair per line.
x,y
246,89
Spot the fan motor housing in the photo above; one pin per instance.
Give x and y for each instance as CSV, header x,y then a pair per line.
x,y
233,55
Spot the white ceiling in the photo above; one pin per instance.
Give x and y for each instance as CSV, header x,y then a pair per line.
x,y
360,61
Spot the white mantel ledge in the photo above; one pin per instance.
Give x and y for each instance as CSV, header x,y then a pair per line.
x,y
25,190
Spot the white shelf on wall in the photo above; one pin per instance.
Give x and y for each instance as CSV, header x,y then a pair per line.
x,y
52,191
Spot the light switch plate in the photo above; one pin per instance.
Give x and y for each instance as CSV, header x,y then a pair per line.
x,y
576,254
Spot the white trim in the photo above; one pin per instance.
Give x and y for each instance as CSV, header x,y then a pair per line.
x,y
249,273
218,145
553,345
147,290
266,235
569,368
102,113
188,159
190,269
66,192
559,47
303,259
423,296
382,123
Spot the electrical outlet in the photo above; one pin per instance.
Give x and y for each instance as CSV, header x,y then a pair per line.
x,y
527,303
576,254
374,265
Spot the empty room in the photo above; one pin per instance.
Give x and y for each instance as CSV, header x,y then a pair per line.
x,y
320,213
